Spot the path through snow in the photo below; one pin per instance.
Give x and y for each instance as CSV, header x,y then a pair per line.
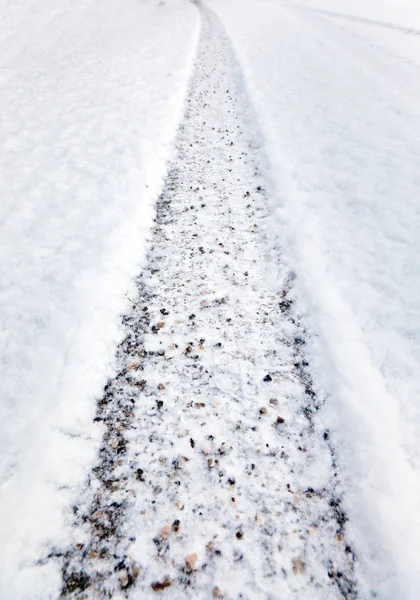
x,y
213,479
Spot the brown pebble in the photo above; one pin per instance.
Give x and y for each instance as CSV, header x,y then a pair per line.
x,y
273,401
166,531
161,585
161,386
263,410
191,559
216,592
210,547
161,324
298,566
124,579
239,535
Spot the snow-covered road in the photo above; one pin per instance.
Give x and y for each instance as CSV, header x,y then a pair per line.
x,y
213,479
258,435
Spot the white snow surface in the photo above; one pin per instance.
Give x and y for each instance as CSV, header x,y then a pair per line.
x,y
336,89
90,96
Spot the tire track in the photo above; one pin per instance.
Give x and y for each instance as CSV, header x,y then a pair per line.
x,y
212,480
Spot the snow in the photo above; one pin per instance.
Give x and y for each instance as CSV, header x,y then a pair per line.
x,y
335,86
89,102
204,455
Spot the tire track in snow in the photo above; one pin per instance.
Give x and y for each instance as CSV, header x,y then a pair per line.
x,y
211,481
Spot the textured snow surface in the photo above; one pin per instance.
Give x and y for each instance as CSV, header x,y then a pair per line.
x,y
213,478
286,243
89,101
336,89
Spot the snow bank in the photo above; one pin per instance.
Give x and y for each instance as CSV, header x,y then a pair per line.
x,y
337,97
89,101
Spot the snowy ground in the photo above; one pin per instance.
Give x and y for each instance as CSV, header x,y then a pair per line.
x,y
257,437
89,102
212,479
336,89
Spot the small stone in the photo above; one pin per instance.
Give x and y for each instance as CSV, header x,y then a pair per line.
x,y
161,386
140,475
124,579
179,504
268,377
166,531
161,585
176,525
216,592
273,401
279,421
298,566
133,365
263,410
160,325
191,559
239,535
259,519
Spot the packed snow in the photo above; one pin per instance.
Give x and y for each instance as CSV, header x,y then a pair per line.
x,y
89,102
336,89
324,96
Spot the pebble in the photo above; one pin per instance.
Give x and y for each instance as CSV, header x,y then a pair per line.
x,y
191,560
166,531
